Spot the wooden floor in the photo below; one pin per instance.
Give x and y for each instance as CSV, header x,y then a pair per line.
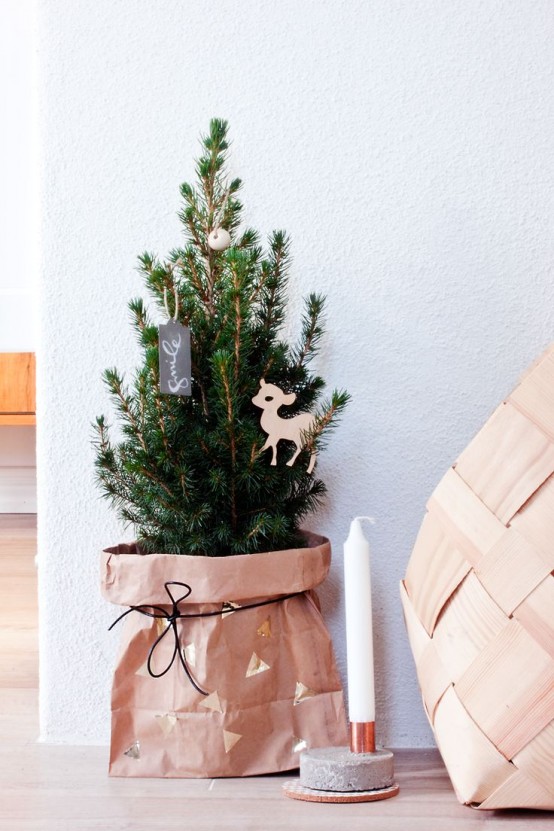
x,y
53,788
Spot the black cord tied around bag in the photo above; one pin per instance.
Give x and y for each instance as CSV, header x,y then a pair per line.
x,y
173,616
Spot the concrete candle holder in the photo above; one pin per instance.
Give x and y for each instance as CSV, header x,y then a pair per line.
x,y
360,773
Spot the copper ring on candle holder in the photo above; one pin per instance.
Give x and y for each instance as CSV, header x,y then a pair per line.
x,y
362,736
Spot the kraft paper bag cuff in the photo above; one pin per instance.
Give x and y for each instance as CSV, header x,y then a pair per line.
x,y
129,578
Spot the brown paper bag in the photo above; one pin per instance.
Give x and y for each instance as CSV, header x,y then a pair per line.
x,y
263,682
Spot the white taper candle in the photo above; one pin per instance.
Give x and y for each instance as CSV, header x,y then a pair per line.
x,y
359,625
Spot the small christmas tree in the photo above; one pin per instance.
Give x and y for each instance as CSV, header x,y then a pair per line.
x,y
191,472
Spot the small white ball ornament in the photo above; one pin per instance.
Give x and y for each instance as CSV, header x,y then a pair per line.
x,y
219,239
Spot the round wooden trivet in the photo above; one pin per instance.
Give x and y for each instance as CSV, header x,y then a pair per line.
x,y
295,790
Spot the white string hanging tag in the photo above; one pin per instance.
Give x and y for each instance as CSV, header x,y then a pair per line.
x,y
219,239
176,306
174,349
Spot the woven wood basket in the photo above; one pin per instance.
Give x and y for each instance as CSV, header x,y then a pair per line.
x,y
478,600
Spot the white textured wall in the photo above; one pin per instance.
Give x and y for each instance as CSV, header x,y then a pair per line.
x,y
407,147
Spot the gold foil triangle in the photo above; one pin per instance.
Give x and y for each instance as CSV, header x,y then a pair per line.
x,y
298,744
189,654
256,666
134,751
302,693
161,625
229,607
167,722
230,739
143,670
265,629
212,702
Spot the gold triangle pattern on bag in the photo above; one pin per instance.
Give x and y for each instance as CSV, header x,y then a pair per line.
x,y
133,752
161,625
212,702
256,666
166,722
302,693
143,670
298,744
189,654
230,740
265,629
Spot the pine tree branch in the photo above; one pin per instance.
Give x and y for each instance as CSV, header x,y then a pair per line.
x,y
157,481
115,384
275,280
256,529
142,470
196,281
237,316
326,419
224,371
311,329
215,195
112,479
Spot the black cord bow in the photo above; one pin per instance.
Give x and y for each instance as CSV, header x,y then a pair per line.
x,y
173,616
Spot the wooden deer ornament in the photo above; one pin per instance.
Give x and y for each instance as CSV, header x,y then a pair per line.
x,y
295,429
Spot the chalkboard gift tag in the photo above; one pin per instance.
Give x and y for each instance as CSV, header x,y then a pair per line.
x,y
175,375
